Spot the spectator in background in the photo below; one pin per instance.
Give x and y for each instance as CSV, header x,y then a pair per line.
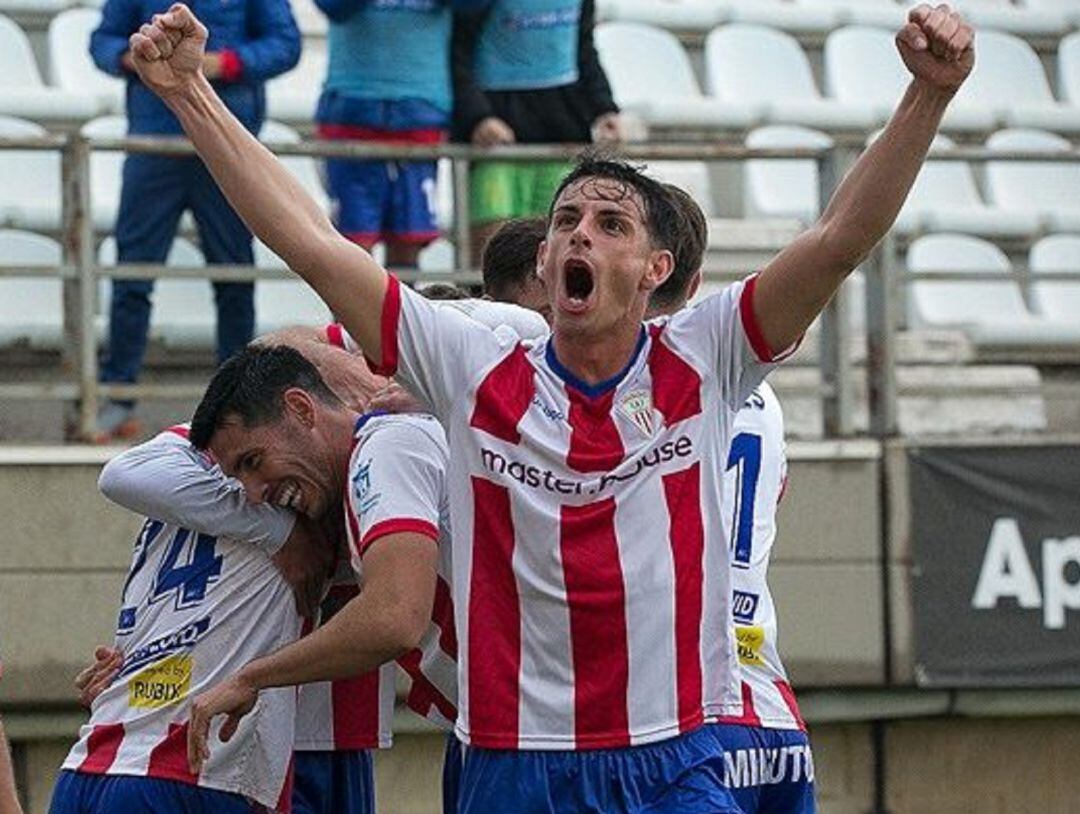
x,y
250,42
526,72
387,82
9,797
508,265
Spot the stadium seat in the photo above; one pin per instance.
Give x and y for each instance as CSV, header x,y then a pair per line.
x,y
692,176
1049,189
791,18
1002,15
183,310
862,66
674,15
70,65
990,313
292,97
1069,9
30,194
651,77
884,13
438,256
23,93
1068,63
783,187
1056,299
946,199
1009,80
759,66
304,168
31,308
106,170
283,303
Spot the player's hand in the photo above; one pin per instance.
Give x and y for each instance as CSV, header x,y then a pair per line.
x,y
168,51
306,562
395,399
233,697
607,129
492,131
937,46
92,681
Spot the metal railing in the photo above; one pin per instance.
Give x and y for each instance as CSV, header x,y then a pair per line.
x,y
80,271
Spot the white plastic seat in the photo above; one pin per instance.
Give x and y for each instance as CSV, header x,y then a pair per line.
x,y
30,193
1009,79
1069,67
783,187
70,65
284,303
1002,15
754,65
945,198
304,168
437,256
1056,299
23,93
651,77
862,66
183,313
691,176
31,308
293,96
990,313
106,170
1049,189
785,16
884,13
677,15
1069,9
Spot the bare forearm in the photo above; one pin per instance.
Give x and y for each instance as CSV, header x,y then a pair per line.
x,y
865,205
280,212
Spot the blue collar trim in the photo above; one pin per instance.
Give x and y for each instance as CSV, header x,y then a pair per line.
x,y
591,390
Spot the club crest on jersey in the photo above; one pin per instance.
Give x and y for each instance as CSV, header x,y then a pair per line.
x,y
365,499
637,406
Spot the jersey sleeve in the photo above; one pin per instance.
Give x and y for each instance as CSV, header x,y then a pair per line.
x,y
397,481
434,351
723,330
167,479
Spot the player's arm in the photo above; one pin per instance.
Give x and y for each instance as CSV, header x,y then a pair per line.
x,y
9,798
385,620
938,48
164,478
167,54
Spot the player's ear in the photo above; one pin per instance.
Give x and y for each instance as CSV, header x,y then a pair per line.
x,y
661,264
300,405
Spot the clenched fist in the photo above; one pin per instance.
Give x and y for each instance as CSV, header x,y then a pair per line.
x,y
937,46
168,51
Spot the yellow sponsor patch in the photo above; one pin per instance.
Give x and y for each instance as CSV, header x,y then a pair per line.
x,y
162,683
749,641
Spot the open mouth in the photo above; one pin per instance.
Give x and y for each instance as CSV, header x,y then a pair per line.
x,y
289,496
578,279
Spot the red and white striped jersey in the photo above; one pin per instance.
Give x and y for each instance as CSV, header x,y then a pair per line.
x,y
350,713
198,604
753,485
397,483
589,554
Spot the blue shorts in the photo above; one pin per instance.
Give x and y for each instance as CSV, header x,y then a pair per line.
x,y
681,775
80,793
769,771
331,782
384,200
451,774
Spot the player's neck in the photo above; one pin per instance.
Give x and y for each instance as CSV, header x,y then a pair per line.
x,y
594,359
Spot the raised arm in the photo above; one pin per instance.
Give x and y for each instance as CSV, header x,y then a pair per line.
x,y
167,53
938,48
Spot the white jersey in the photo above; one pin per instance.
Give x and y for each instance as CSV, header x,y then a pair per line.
x,y
589,551
201,600
753,485
350,713
397,483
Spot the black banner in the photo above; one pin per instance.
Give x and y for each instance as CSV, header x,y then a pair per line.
x,y
996,572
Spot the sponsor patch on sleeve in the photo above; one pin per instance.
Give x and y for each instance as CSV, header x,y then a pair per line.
x,y
749,641
162,683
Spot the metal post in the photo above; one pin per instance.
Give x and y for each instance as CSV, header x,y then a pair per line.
x,y
79,293
462,232
837,404
881,322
